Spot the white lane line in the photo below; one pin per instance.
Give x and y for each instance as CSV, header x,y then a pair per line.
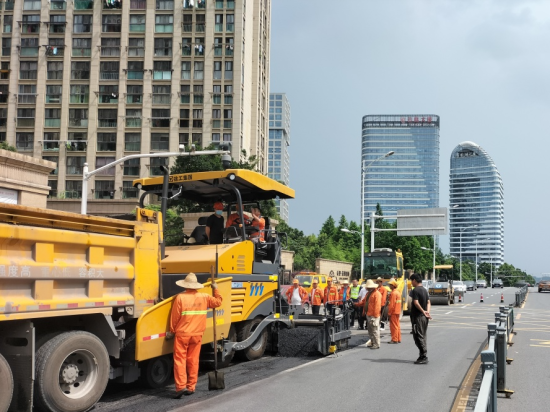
x,y
473,303
463,307
449,312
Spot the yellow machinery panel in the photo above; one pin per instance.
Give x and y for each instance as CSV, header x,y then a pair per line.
x,y
247,296
155,322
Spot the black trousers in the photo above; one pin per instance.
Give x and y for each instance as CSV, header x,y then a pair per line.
x,y
315,309
420,333
355,313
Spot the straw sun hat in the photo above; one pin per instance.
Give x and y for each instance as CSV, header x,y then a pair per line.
x,y
190,282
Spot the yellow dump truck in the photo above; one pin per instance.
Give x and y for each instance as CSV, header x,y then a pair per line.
x,y
86,299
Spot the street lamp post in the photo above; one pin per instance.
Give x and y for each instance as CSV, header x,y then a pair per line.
x,y
433,270
363,169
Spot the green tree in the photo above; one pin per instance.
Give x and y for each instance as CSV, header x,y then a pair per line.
x,y
7,146
173,232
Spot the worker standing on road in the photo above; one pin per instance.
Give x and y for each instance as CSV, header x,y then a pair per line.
x,y
317,296
354,296
420,315
188,323
394,312
384,292
372,304
296,295
362,317
344,293
330,296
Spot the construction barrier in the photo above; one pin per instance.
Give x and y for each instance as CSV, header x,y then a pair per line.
x,y
494,361
521,294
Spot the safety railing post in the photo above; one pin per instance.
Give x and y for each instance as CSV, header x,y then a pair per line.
x,y
501,349
491,332
487,398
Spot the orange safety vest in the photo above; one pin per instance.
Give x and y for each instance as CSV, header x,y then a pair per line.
x,y
317,296
394,307
384,292
341,297
375,301
331,295
301,291
189,312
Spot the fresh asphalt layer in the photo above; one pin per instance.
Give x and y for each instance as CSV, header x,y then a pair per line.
x,y
529,374
357,378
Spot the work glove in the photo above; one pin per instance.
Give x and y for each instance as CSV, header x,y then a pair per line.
x,y
214,285
169,336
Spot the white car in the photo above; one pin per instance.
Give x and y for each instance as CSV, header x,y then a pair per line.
x,y
459,286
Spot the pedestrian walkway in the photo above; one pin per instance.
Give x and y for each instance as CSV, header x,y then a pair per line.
x,y
527,376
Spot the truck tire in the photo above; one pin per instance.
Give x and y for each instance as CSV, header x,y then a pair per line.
x,y
158,371
72,371
256,350
6,384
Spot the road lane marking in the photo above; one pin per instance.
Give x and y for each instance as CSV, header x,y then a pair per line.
x,y
449,312
463,394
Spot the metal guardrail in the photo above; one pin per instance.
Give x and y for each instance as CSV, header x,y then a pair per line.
x,y
521,294
494,361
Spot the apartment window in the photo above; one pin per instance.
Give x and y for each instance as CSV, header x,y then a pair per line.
x,y
216,118
112,4
231,5
73,188
133,117
82,47
30,24
83,4
229,46
106,142
227,137
8,24
79,93
201,4
109,70
187,23
215,138
186,70
6,46
29,47
57,23
25,117
138,4
56,47
51,142
128,191
75,165
201,23
78,117
217,94
160,118
26,95
218,46
134,94
104,189
219,4
27,70
162,94
197,139
188,4
137,23
227,118
80,70
186,46
156,163
131,167
160,141
198,94
228,71
184,139
230,23
108,94
58,5
162,70
199,46
184,93
197,117
164,23
218,23
136,47
228,94
107,117
52,117
110,47
110,23
24,141
164,5
135,70
3,120
217,70
82,23
132,142
184,117
77,141
101,161
163,47
198,73
54,172
53,93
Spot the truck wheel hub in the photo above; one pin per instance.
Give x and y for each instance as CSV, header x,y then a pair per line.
x,y
69,373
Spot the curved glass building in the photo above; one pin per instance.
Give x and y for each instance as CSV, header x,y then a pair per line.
x,y
410,178
476,209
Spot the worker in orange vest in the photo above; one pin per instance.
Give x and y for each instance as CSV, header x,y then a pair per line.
x,y
187,324
330,296
372,306
394,312
384,292
296,295
317,297
344,293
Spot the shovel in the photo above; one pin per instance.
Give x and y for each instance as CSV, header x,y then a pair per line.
x,y
216,379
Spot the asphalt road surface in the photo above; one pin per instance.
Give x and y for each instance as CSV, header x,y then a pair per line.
x,y
356,378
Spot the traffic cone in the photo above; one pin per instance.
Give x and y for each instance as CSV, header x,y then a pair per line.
x,y
481,298
502,297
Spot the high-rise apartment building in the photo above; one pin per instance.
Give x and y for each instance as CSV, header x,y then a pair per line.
x,y
279,141
409,179
476,206
90,81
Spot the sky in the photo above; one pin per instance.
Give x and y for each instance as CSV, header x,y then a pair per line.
x,y
483,66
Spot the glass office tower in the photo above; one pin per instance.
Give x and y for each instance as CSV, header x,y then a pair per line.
x,y
409,179
476,206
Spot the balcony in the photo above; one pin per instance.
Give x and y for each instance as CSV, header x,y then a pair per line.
x,y
78,122
26,98
83,4
134,74
161,99
137,28
104,194
28,51
107,123
50,146
110,51
108,76
55,51
52,123
133,122
77,146
29,28
130,193
81,52
8,5
25,122
160,122
112,4
58,5
138,4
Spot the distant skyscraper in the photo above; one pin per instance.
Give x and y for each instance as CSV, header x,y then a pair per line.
x,y
410,178
278,166
476,208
